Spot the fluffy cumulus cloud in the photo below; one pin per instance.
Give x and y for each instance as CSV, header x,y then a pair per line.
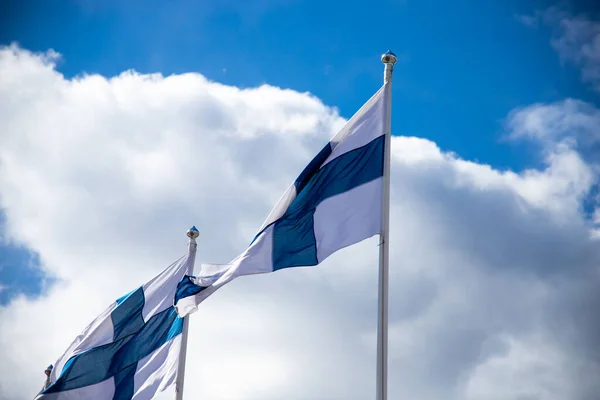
x,y
494,274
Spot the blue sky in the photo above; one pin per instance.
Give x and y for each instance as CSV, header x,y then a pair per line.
x,y
462,65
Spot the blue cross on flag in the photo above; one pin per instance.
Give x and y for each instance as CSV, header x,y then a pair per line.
x,y
131,350
335,202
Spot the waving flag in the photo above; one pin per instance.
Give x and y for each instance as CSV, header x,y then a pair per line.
x,y
335,202
131,350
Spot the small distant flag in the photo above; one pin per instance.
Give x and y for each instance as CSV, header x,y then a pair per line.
x,y
131,350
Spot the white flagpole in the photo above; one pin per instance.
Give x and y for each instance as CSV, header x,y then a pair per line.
x,y
192,233
389,59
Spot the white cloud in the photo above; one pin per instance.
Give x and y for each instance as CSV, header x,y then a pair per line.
x,y
528,20
567,119
527,369
493,273
577,40
580,42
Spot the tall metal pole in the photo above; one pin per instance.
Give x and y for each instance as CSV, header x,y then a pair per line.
x,y
389,59
192,233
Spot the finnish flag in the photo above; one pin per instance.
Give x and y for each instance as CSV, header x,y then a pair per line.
x,y
334,203
131,350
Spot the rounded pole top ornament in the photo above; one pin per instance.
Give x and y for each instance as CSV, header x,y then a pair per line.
x,y
388,57
193,233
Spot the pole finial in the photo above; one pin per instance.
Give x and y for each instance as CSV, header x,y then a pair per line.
x,y
193,233
389,57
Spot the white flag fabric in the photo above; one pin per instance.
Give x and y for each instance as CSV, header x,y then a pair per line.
x,y
131,350
334,203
